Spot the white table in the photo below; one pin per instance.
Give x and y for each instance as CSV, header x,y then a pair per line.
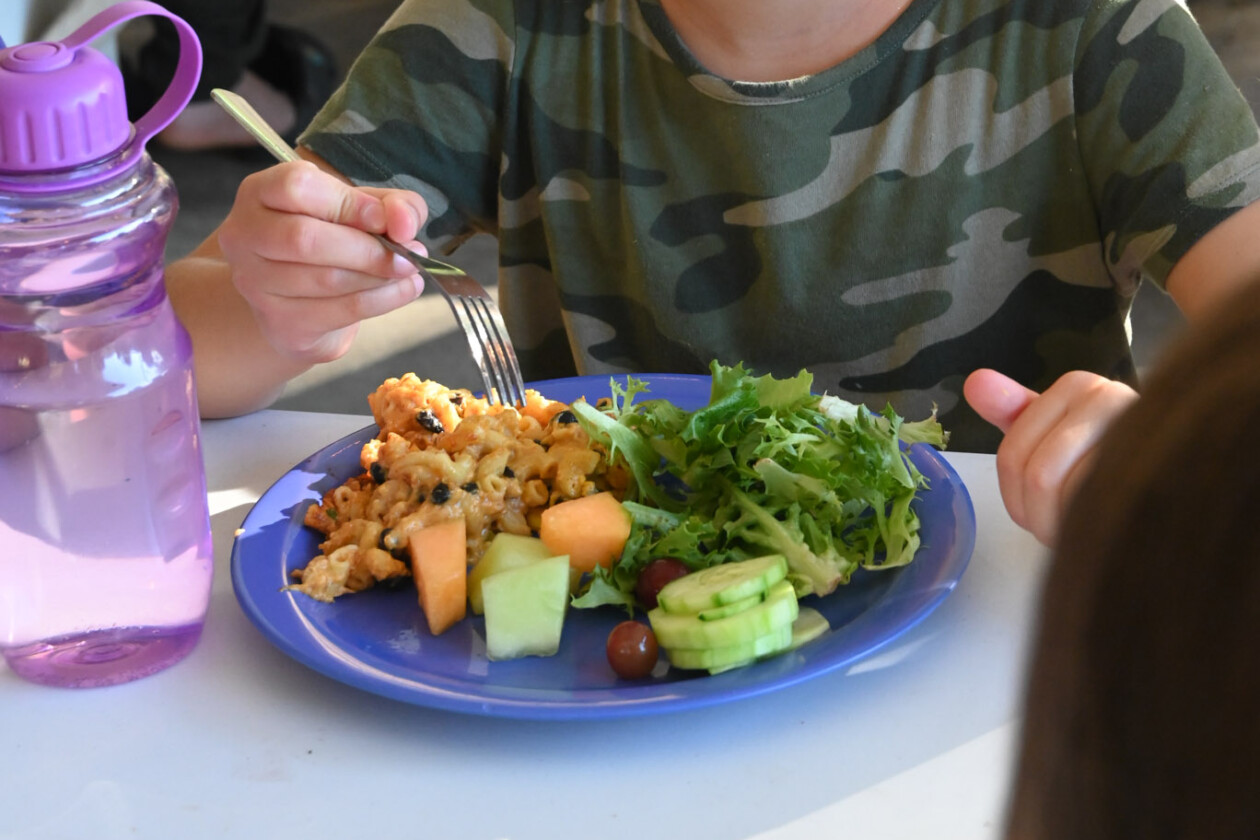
x,y
239,741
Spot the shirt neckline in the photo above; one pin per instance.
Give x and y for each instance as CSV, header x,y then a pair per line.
x,y
789,90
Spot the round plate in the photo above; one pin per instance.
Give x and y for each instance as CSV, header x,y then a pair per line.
x,y
378,641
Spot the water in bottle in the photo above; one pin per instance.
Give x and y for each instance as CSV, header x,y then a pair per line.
x,y
105,551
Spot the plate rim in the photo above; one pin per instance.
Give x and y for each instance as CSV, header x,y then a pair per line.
x,y
632,699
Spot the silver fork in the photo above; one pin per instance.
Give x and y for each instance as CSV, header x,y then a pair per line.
x,y
475,311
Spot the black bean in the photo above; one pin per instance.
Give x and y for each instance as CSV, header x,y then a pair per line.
x,y
379,472
441,493
470,487
565,417
380,542
429,422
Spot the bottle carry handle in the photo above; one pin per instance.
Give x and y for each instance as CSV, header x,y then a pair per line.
x,y
187,71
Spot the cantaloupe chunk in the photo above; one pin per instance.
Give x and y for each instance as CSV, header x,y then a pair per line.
x,y
439,564
592,530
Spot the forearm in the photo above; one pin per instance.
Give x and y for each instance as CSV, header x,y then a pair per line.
x,y
1224,260
237,370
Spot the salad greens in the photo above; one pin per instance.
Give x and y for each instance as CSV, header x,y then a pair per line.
x,y
766,467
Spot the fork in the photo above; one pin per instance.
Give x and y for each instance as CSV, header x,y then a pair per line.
x,y
475,311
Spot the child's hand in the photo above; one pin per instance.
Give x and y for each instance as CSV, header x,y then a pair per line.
x,y
1050,439
298,245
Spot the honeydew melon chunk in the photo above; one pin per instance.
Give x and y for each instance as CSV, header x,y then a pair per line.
x,y
524,608
722,584
674,631
717,659
809,625
506,551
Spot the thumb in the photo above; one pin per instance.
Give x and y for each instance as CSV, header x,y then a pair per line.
x,y
996,397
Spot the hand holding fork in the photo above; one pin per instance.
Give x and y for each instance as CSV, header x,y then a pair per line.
x,y
473,307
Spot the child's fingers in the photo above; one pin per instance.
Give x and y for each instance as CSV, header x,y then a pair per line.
x,y
350,253
301,280
310,328
1035,458
303,188
405,212
322,315
997,398
299,245
1048,445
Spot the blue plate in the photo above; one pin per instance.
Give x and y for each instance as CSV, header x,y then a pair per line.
x,y
378,641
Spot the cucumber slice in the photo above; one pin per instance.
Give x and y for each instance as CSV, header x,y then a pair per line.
x,y
722,584
809,625
679,632
714,613
717,659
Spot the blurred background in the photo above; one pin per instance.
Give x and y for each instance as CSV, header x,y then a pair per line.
x,y
422,337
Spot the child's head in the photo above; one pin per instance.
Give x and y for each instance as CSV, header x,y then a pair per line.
x,y
1143,706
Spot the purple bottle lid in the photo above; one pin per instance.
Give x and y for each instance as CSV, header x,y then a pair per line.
x,y
62,105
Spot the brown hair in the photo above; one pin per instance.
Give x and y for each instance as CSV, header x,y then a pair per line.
x,y
1142,714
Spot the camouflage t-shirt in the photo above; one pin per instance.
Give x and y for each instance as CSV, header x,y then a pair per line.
x,y
984,186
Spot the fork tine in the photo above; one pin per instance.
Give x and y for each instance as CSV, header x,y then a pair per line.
x,y
498,363
502,356
467,323
502,393
478,315
512,367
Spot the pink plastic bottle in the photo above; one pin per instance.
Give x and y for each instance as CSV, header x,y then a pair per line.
x,y
105,551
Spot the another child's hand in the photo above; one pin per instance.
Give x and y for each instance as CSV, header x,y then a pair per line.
x,y
1050,439
297,241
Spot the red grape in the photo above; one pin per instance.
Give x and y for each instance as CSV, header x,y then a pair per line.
x,y
632,650
654,576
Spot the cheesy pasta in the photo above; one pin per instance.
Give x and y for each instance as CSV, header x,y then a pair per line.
x,y
441,454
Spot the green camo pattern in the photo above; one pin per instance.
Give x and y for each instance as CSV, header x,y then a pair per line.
x,y
985,185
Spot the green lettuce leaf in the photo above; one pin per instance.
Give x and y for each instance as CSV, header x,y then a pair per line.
x,y
766,467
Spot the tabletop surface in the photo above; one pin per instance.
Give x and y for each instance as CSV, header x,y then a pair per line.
x,y
239,740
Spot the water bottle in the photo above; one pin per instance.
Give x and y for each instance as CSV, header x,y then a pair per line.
x,y
105,549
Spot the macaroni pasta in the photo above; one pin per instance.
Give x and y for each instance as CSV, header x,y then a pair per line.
x,y
440,454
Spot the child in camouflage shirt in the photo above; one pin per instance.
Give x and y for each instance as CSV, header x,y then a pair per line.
x,y
902,197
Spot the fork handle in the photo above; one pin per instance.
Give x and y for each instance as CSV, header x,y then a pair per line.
x,y
241,111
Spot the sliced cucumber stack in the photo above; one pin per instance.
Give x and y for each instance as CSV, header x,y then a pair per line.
x,y
716,659
691,632
727,615
723,584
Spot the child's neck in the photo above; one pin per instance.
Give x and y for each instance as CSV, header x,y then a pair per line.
x,y
775,40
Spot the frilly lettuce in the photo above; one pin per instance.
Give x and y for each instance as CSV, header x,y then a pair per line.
x,y
766,467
